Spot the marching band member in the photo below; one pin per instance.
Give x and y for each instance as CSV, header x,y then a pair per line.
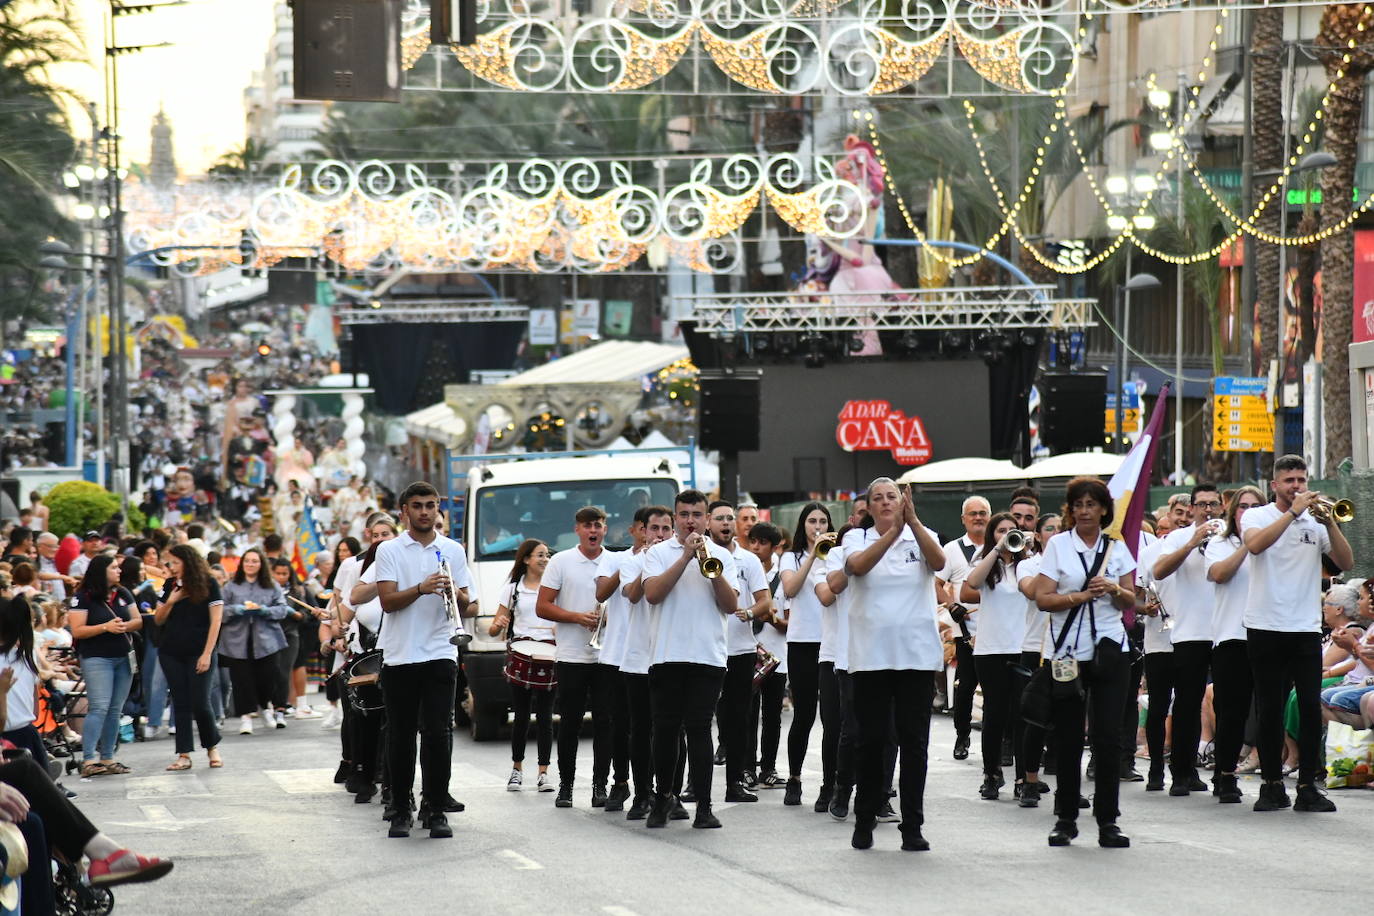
x,y
894,652
1283,629
1159,657
1182,558
364,623
610,592
515,615
765,703
688,664
959,554
800,573
1085,584
839,727
419,663
1231,679
567,596
1032,747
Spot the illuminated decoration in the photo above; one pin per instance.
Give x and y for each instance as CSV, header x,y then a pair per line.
x,y
777,47
537,215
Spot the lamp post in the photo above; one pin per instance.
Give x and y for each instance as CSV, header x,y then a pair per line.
x,y
1134,283
54,259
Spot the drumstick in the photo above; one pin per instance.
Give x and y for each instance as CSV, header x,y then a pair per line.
x,y
309,607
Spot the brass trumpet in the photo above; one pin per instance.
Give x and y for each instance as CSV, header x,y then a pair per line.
x,y
710,567
1016,540
1324,507
823,547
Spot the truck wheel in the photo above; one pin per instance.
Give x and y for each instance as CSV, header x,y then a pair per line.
x,y
487,719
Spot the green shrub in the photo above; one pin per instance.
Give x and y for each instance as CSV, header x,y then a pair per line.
x,y
78,506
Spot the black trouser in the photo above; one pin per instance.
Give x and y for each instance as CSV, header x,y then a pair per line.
x,y
832,716
1130,711
1159,684
766,709
849,734
965,683
1032,736
636,688
1105,688
521,699
733,713
36,890
1192,661
190,700
1279,661
803,673
619,712
583,684
254,680
1001,709
883,699
419,698
1231,693
286,661
683,696
67,828
365,742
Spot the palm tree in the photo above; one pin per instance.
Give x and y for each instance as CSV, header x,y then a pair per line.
x,y
1340,34
1268,123
245,161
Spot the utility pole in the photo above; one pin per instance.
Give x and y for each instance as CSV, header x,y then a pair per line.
x,y
1180,112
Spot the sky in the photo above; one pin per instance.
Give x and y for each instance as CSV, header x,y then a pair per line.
x,y
217,44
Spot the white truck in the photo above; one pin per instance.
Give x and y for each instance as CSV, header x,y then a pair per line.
x,y
536,496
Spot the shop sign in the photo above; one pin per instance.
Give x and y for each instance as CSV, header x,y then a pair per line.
x,y
866,426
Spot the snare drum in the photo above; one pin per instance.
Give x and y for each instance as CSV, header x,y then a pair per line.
x,y
362,678
529,663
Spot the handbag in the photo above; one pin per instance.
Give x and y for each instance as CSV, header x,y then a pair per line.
x,y
1043,688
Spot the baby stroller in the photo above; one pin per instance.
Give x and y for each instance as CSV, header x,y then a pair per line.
x,y
61,704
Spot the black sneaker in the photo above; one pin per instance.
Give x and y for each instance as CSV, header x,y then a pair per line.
x,y
1194,783
453,805
1179,789
688,795
658,812
839,803
887,816
677,813
1129,773
750,779
1313,799
914,842
564,797
1091,772
793,794
639,808
705,820
400,824
1029,796
1155,782
738,793
438,826
1228,790
989,788
822,800
863,836
719,759
1064,833
342,773
390,810
598,795
1272,797
615,801
1109,836
1083,803
961,747
364,795
769,779
353,784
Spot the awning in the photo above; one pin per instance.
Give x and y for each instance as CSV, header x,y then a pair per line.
x,y
1074,464
611,361
963,470
437,423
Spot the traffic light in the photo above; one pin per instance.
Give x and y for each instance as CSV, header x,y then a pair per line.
x,y
264,349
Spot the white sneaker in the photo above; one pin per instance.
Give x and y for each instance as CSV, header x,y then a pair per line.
x,y
516,780
332,719
543,784
306,712
245,725
279,719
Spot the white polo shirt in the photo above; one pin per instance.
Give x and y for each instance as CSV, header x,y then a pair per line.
x,y
1195,596
1228,620
617,608
1036,634
835,619
1002,613
369,613
641,621
1286,580
525,623
419,632
804,608
573,575
956,570
892,610
690,626
739,634
1065,554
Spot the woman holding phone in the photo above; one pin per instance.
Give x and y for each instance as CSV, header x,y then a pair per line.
x,y
189,614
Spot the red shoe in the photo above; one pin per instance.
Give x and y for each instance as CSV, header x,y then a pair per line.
x,y
148,868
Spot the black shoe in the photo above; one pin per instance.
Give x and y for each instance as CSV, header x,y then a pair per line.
x,y
1007,758
1194,783
769,779
750,779
437,822
1109,836
564,797
353,784
1044,787
640,808
863,836
615,801
1063,833
891,792
1228,790
886,815
386,796
1091,772
738,793
1083,803
914,842
659,811
1049,768
989,788
343,772
453,805
1129,774
1001,780
705,820
1179,789
1313,799
364,795
719,759
961,747
839,803
1272,797
1029,796
400,824
598,795
687,795
1155,782
793,794
823,800
390,810
678,813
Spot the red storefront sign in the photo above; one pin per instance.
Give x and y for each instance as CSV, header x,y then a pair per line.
x,y
1362,322
867,426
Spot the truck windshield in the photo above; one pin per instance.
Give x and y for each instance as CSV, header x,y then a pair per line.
x,y
506,516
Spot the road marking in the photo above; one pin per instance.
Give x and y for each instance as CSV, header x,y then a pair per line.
x,y
169,786
157,814
618,911
160,818
303,782
521,863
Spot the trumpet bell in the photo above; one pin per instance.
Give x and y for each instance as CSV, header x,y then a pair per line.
x,y
823,549
1016,541
711,568
1341,510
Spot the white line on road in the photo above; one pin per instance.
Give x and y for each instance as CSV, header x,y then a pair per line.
x,y
157,814
618,911
521,863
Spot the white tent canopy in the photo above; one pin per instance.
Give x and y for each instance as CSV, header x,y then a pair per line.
x,y
437,423
611,361
963,470
1096,464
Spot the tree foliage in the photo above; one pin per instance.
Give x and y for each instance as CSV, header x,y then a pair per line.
x,y
79,506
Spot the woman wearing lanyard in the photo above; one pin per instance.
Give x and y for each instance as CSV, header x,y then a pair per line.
x,y
103,614
189,614
1231,678
1085,582
894,652
516,612
1001,611
800,573
1033,736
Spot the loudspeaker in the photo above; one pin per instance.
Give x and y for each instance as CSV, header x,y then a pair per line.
x,y
1073,411
729,415
293,283
347,50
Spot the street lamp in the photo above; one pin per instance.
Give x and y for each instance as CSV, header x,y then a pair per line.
x,y
1135,283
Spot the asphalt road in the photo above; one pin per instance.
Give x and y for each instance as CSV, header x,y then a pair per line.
x,y
271,833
